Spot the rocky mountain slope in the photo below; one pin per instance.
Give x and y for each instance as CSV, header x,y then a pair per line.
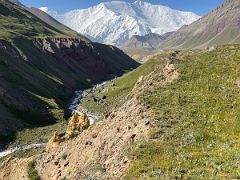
x,y
220,26
149,41
115,22
41,66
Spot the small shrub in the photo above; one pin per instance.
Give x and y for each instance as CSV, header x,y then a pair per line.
x,y
73,135
32,172
64,156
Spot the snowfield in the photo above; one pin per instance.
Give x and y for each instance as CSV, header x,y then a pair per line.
x,y
117,21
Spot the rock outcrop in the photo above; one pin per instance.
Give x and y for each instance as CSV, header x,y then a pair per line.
x,y
77,123
54,141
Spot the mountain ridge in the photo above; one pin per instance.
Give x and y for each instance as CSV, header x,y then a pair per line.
x,y
115,22
220,26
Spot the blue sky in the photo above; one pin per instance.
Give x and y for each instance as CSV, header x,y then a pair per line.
x,y
200,7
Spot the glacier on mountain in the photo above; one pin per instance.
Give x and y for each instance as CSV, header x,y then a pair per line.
x,y
117,21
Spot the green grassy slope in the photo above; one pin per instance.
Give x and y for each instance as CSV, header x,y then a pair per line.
x,y
196,135
115,94
16,21
198,120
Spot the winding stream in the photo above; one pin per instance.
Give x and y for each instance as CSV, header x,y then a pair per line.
x,y
75,105
6,152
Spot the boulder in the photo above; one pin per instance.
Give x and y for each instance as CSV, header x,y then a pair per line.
x,y
211,49
169,68
104,97
77,123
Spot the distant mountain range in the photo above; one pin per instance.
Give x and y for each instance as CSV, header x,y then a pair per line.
x,y
221,26
117,21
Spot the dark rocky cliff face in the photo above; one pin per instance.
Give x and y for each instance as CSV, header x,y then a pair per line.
x,y
38,77
77,55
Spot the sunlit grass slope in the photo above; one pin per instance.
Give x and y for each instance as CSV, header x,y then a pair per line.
x,y
198,132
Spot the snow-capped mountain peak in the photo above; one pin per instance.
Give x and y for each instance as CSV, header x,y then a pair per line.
x,y
115,22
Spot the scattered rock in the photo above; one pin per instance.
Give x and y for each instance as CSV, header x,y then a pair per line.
x,y
88,143
125,161
56,162
118,129
170,68
104,97
112,116
94,136
211,49
146,121
183,171
66,164
132,138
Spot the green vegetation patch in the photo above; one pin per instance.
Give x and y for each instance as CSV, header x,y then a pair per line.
x,y
198,117
117,90
15,21
32,172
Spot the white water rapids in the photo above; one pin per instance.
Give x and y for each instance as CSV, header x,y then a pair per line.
x,y
76,103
